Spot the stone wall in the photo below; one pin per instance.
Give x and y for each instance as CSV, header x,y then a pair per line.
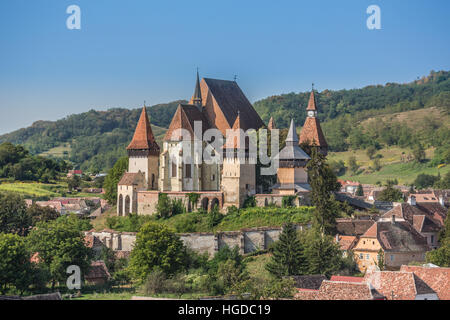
x,y
247,240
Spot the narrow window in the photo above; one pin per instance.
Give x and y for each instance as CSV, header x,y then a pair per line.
x,y
174,169
392,257
367,257
213,177
361,256
187,169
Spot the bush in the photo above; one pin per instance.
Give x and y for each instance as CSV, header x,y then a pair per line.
x,y
250,202
155,282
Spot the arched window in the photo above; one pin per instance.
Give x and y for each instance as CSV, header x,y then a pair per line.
x,y
205,202
214,203
120,205
127,205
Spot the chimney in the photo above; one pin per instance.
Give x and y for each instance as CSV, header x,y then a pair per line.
x,y
412,200
393,219
441,200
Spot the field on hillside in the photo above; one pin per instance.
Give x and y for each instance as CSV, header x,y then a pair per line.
x,y
61,151
37,190
33,189
392,166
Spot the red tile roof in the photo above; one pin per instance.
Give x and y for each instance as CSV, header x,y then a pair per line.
x,y
311,102
184,118
143,138
437,278
347,242
347,279
397,285
312,133
271,124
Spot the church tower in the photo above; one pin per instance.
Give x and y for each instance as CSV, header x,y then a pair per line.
x,y
143,152
292,176
238,174
311,133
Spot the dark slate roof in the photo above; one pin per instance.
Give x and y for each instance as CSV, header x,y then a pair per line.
x,y
355,202
312,282
292,151
232,100
353,227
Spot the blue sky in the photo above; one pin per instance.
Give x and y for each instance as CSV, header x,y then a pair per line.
x,y
130,51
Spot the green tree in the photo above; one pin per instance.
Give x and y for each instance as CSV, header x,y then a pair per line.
x,y
322,253
418,152
113,178
58,244
359,190
287,254
15,266
441,256
352,164
164,206
390,194
156,247
323,182
14,217
371,150
39,213
424,180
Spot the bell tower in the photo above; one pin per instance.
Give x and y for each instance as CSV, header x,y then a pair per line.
x,y
143,152
238,173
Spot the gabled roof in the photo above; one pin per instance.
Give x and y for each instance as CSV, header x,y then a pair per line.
x,y
143,138
131,178
399,236
98,270
438,279
231,101
416,216
185,118
398,285
353,227
312,133
235,140
346,242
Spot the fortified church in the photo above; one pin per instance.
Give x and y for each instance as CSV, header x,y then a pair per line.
x,y
176,170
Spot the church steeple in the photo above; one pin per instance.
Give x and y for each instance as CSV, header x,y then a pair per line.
x,y
311,133
312,109
197,99
143,139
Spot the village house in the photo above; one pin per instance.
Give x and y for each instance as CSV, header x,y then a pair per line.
x,y
73,173
426,219
396,240
98,273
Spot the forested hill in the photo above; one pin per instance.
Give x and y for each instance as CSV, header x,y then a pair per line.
x,y
94,140
432,90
